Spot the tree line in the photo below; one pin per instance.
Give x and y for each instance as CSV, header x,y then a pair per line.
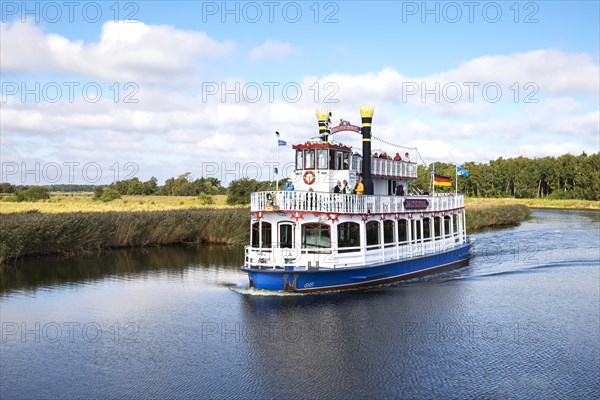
x,y
564,177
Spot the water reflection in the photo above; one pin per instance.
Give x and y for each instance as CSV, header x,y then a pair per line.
x,y
33,273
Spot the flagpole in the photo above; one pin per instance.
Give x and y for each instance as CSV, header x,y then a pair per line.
x,y
456,179
277,170
433,181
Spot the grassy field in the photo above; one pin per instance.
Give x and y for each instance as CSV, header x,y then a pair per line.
x,y
536,203
84,202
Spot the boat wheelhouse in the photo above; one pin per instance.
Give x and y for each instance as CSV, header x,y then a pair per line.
x,y
315,239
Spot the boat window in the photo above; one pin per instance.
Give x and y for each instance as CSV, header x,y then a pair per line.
x,y
322,158
265,233
426,228
332,160
402,230
417,230
348,236
299,159
339,160
345,160
286,236
391,187
309,159
373,233
447,225
316,236
388,231
437,226
455,222
255,234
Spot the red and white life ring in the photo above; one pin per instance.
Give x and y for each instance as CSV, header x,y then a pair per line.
x,y
309,177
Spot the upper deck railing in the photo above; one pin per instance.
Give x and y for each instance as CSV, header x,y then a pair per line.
x,y
384,167
351,203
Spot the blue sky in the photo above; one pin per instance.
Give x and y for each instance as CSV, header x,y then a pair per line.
x,y
432,69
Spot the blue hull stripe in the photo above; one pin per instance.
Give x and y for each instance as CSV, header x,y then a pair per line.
x,y
346,278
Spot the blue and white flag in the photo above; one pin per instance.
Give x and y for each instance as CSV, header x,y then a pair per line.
x,y
282,143
461,171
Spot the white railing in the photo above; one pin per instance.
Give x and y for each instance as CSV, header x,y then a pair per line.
x,y
389,168
351,203
274,257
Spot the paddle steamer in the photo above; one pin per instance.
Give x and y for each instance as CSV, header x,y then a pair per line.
x,y
313,239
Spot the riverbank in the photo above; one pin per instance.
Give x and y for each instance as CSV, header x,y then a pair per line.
x,y
35,233
535,203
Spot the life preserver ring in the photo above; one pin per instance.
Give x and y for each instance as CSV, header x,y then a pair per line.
x,y
309,177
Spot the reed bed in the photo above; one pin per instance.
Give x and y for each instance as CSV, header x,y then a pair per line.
x,y
35,233
481,216
536,203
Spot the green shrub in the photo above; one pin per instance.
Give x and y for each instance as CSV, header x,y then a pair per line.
x,y
109,194
205,199
34,193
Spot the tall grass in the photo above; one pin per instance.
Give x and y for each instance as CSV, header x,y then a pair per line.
x,y
536,203
481,216
34,233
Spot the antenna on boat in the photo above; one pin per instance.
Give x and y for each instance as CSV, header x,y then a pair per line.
x,y
366,113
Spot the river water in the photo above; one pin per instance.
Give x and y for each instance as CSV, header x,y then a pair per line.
x,y
522,321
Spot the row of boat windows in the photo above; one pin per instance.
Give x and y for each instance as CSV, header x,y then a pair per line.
x,y
322,159
318,235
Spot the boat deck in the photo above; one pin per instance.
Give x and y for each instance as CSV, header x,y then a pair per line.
x,y
352,203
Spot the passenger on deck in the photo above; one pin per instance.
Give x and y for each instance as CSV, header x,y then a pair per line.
x,y
406,157
289,187
338,187
397,157
346,188
399,189
359,188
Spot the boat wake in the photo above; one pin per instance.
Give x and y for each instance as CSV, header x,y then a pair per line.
x,y
247,291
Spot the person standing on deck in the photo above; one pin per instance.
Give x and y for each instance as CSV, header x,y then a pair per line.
x,y
399,189
346,189
338,187
359,188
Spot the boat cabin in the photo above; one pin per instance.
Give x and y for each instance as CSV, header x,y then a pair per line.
x,y
320,165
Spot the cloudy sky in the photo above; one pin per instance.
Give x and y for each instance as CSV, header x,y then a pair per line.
x,y
94,92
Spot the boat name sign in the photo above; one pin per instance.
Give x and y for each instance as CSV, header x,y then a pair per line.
x,y
416,204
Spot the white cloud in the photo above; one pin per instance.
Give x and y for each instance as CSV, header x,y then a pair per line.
x,y
553,71
157,54
182,130
272,49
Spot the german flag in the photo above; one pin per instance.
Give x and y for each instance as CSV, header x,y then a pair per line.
x,y
439,180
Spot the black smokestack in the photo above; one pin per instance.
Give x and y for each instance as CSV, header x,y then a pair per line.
x,y
366,113
323,118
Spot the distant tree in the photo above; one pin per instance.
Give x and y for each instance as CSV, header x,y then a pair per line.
x,y
239,190
6,187
134,187
150,186
109,194
34,193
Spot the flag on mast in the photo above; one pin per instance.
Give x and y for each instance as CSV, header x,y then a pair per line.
x,y
461,171
282,143
439,180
